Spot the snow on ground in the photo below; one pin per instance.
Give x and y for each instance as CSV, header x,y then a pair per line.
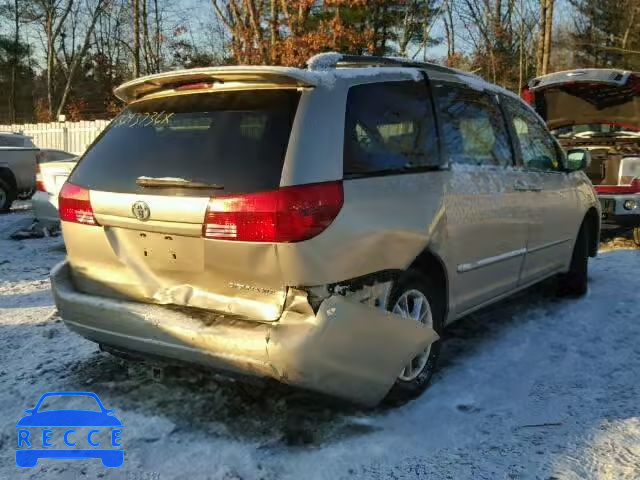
x,y
533,388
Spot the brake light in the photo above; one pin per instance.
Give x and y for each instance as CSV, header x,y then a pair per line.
x,y
194,86
633,187
289,214
75,205
39,183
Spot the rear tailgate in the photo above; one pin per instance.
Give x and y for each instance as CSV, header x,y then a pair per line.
x,y
588,96
149,243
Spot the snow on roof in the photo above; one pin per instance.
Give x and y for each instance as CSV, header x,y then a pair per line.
x,y
324,61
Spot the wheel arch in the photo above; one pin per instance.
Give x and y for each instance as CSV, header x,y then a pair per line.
x,y
431,265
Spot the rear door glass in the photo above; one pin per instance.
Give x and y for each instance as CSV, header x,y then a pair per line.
x,y
389,128
473,127
235,140
537,146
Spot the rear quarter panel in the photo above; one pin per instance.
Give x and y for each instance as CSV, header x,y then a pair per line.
x,y
385,223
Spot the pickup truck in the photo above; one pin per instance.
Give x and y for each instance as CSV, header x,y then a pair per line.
x,y
18,159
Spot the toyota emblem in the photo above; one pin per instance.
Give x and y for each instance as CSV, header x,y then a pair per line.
x,y
141,211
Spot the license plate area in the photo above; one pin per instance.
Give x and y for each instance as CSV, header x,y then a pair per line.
x,y
608,207
163,251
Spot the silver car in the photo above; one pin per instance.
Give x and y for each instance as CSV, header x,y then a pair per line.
x,y
318,226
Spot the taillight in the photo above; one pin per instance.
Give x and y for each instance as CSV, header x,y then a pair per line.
x,y
289,214
633,187
527,95
39,183
75,206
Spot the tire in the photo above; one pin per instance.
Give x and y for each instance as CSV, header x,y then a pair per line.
x,y
636,236
410,387
575,282
7,196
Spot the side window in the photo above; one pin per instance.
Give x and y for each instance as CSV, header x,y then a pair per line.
x,y
389,127
538,149
473,127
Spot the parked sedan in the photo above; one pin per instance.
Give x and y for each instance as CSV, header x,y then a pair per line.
x,y
50,176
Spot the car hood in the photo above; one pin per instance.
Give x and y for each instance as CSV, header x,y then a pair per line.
x,y
69,418
588,96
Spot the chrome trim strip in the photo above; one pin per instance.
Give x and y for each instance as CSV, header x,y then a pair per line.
x,y
547,245
467,267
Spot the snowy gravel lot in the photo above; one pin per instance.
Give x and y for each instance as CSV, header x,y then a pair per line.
x,y
533,388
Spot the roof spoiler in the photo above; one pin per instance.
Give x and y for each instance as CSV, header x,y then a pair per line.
x,y
140,87
608,76
208,76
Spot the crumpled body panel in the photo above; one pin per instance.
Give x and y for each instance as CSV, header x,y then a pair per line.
x,y
347,349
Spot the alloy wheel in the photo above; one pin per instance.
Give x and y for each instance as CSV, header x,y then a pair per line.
x,y
414,304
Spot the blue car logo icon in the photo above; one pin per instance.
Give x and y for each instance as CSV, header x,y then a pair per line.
x,y
64,433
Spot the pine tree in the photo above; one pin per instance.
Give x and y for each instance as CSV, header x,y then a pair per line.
x,y
607,34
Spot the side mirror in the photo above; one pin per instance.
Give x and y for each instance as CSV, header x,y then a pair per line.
x,y
578,159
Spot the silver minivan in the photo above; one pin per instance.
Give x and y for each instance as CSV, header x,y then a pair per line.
x,y
317,226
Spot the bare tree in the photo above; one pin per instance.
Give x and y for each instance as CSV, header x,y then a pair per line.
x,y
450,34
546,32
496,36
136,38
14,65
78,54
51,16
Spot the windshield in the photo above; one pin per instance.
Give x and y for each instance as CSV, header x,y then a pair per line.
x,y
235,141
589,130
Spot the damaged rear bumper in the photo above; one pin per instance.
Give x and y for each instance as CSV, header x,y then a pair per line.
x,y
345,349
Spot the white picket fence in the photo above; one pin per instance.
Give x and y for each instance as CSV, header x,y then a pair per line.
x,y
72,137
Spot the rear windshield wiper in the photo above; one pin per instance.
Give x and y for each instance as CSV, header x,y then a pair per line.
x,y
168,182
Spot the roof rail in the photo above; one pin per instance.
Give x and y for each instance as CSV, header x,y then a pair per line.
x,y
331,60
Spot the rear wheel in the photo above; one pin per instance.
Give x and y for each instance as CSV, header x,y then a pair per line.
x,y
416,297
7,195
576,281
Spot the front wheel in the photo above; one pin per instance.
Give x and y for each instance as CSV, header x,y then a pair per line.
x,y
416,297
636,236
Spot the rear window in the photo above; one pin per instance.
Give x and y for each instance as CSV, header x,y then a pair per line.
x,y
54,156
234,140
13,141
389,128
